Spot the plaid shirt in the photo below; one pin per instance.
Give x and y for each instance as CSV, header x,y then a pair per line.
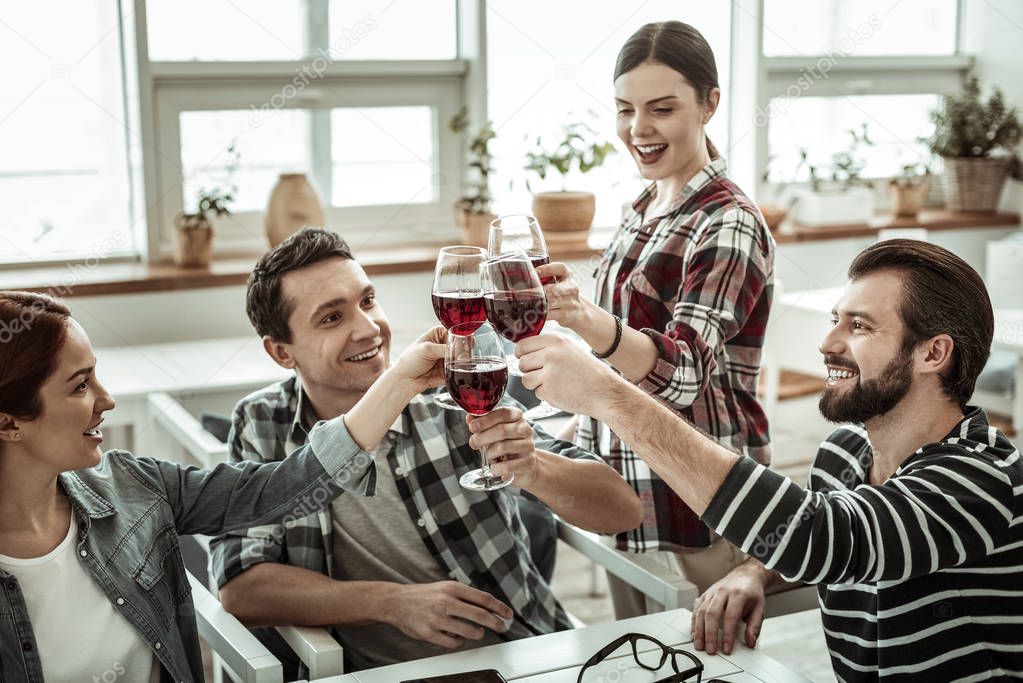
x,y
477,537
697,279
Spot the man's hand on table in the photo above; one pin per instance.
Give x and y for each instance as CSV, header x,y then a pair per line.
x,y
739,596
445,613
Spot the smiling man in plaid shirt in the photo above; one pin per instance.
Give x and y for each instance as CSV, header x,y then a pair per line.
x,y
422,565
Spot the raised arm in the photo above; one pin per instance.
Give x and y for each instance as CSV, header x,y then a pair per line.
x,y
726,280
939,512
244,494
572,482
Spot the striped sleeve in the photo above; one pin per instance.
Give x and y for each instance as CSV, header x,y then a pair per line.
x,y
942,510
726,273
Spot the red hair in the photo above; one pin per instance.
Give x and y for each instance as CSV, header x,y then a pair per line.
x,y
33,328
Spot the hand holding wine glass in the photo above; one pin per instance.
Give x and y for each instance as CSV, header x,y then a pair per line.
x,y
422,363
565,303
509,441
477,375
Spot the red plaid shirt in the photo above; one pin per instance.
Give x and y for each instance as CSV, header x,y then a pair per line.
x,y
698,280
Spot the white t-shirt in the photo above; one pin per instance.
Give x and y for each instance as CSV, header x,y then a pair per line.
x,y
79,634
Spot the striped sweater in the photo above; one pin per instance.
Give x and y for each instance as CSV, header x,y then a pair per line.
x,y
920,578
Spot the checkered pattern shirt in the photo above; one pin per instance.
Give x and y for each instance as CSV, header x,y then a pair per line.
x,y
478,538
698,280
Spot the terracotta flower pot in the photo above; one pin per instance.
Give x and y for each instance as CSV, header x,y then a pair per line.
x,y
474,227
193,242
564,211
293,205
773,215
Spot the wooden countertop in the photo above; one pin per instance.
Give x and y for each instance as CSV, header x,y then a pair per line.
x,y
135,277
138,277
791,232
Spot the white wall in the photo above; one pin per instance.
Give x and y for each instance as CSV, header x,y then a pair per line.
x,y
131,319
993,32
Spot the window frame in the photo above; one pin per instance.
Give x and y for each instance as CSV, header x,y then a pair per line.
x,y
156,92
168,88
848,77
236,86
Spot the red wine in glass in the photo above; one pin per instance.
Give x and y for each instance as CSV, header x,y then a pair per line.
x,y
538,259
478,384
516,314
459,308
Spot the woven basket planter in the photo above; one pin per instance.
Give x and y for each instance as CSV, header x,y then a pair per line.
x,y
974,184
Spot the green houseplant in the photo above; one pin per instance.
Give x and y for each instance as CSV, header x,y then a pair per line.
x,y
835,191
193,243
473,209
578,148
977,142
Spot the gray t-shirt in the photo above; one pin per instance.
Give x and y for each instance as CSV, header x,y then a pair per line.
x,y
375,539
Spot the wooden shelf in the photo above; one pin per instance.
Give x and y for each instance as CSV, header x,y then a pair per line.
x,y
136,278
791,232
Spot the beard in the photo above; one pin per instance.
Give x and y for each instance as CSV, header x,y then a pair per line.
x,y
872,397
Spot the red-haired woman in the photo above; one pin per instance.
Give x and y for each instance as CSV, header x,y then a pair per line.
x,y
683,291
92,583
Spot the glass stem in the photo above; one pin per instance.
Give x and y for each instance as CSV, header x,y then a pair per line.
x,y
487,473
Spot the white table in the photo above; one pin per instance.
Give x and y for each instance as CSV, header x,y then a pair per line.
x,y
556,658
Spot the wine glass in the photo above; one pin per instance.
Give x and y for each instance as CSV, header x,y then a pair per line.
x,y
458,296
513,299
521,232
476,374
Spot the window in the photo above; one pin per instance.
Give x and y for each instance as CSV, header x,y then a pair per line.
x,y
186,30
863,28
821,125
393,29
66,183
835,66
356,95
542,76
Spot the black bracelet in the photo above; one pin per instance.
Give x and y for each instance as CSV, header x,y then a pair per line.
x,y
616,342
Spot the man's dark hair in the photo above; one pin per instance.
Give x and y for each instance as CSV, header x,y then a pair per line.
x,y
265,303
941,294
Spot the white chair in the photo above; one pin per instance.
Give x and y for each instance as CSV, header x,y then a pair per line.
x,y
235,648
178,436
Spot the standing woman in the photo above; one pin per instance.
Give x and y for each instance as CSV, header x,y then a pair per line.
x,y
683,292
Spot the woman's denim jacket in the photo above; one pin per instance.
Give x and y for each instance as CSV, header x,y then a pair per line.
x,y
130,514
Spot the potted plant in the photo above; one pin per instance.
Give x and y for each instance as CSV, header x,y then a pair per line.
x,y
909,189
772,207
579,148
472,210
193,243
976,142
836,193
